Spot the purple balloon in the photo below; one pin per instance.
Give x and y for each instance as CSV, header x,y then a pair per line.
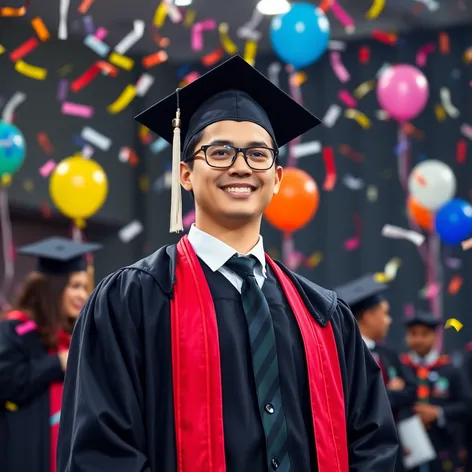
x,y
403,91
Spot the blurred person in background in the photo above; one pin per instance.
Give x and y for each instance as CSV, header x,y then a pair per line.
x,y
34,347
208,356
443,396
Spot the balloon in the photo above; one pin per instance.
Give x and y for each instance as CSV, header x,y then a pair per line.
x,y
402,91
296,203
300,36
432,184
78,188
12,148
454,221
423,217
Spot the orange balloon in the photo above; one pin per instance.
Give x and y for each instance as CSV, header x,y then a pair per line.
x,y
423,217
296,203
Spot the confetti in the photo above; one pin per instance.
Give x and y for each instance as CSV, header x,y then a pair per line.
x,y
85,78
33,72
144,183
99,47
75,109
190,16
455,285
423,52
173,12
314,260
250,51
325,5
101,33
364,55
197,33
431,5
25,328
395,232
466,130
385,38
9,109
23,50
347,98
390,271
123,100
348,152
154,59
376,9
159,145
338,67
46,169
131,38
353,183
143,84
466,244
227,43
359,117
335,45
130,231
331,116
450,109
62,88
363,89
88,25
444,43
455,323
213,57
2,49
16,12
63,12
297,79
273,72
160,15
97,139
330,167
188,219
248,30
128,155
372,193
87,152
306,149
343,17
45,143
121,61
10,406
353,243
85,6
439,112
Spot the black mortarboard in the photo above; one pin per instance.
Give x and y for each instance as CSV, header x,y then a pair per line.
x,y
233,91
362,293
58,256
423,318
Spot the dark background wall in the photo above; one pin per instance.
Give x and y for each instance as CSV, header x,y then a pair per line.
x,y
333,224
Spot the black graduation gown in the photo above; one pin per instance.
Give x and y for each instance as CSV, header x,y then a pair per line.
x,y
467,369
26,372
449,391
117,412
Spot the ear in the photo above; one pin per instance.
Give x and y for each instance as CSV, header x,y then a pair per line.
x,y
186,176
279,175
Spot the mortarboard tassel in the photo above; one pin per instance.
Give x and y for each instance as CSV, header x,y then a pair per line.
x,y
176,192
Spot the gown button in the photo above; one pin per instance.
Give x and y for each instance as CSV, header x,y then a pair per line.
x,y
269,408
275,464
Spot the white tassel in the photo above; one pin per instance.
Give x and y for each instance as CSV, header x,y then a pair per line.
x,y
176,192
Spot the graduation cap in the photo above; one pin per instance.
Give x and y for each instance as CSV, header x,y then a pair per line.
x,y
362,293
58,256
423,318
233,91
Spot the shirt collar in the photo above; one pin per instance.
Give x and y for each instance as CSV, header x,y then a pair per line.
x,y
369,342
215,253
427,360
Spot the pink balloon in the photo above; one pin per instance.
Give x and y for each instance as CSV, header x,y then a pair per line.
x,y
403,91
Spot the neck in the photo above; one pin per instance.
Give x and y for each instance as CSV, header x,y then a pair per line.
x,y
242,238
366,334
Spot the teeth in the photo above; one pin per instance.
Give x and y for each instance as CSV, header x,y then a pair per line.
x,y
238,189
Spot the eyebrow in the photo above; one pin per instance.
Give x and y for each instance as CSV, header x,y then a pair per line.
x,y
225,142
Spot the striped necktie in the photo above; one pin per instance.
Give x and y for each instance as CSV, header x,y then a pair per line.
x,y
264,363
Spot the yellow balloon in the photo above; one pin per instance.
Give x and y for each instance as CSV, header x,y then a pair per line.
x,y
78,188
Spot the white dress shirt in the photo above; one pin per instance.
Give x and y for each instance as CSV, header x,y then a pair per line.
x,y
427,360
369,343
215,253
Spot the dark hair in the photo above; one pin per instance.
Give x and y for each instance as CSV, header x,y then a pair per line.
x,y
40,298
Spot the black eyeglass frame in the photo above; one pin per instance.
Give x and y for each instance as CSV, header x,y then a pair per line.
x,y
238,150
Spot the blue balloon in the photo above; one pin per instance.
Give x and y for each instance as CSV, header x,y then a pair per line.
x,y
454,221
300,36
12,148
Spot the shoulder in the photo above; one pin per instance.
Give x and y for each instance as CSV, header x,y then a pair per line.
x,y
387,351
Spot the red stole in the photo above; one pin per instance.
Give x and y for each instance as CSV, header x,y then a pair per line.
x,y
55,388
196,369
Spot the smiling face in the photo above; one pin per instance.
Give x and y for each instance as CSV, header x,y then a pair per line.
x,y
75,294
235,196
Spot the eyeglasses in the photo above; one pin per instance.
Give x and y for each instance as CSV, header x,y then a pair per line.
x,y
223,156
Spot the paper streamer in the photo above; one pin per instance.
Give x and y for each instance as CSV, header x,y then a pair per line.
x,y
338,67
97,139
63,12
395,232
9,109
123,100
131,38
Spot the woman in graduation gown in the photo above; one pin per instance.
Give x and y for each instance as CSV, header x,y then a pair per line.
x,y
207,356
34,346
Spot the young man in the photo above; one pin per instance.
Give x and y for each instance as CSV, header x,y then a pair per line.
x,y
443,396
207,356
365,297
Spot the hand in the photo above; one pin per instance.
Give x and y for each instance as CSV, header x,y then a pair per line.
x,y
427,413
396,384
63,357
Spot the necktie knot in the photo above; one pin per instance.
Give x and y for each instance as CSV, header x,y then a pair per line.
x,y
242,266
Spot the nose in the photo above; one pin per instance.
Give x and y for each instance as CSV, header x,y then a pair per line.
x,y
240,166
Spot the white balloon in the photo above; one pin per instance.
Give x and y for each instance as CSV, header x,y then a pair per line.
x,y
432,184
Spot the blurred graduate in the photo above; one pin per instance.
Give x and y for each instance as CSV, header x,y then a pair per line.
x,y
34,345
443,397
207,356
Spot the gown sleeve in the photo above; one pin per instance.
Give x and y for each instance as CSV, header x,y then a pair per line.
x,y
371,432
460,400
102,425
22,377
405,398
